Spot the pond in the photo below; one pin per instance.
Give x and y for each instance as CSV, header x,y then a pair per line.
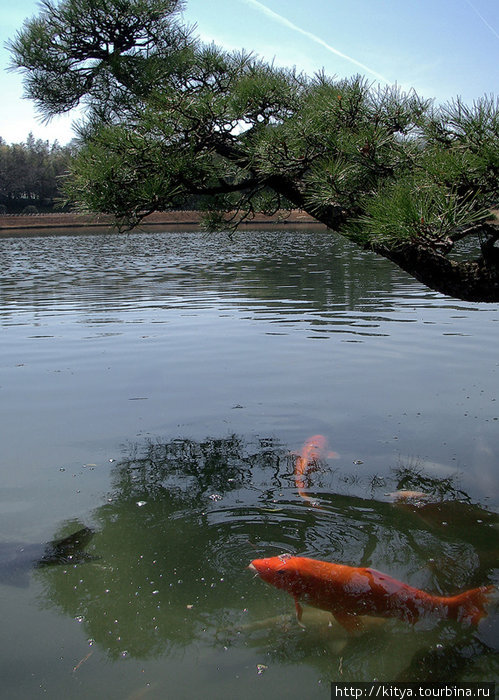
x,y
157,390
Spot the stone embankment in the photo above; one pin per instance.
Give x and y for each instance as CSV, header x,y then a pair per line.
x,y
11,222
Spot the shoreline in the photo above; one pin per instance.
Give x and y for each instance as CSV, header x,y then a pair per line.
x,y
60,223
10,223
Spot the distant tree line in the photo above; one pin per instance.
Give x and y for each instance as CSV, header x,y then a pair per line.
x,y
32,174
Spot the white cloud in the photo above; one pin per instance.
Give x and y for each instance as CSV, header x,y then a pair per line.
x,y
489,26
313,37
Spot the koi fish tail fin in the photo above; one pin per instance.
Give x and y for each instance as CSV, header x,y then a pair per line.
x,y
470,606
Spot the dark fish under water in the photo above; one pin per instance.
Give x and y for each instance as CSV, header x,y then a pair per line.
x,y
447,663
17,560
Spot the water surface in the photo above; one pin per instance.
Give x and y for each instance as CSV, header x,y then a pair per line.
x,y
156,387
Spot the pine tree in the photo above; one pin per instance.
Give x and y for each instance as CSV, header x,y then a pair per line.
x,y
169,118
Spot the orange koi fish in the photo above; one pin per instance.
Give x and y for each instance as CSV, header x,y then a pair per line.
x,y
350,591
410,496
313,450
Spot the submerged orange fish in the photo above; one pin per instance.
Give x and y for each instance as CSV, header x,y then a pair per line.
x,y
350,591
313,450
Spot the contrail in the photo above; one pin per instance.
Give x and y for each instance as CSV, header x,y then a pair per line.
x,y
483,19
313,37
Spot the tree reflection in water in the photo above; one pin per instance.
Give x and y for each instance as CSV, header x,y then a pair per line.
x,y
184,519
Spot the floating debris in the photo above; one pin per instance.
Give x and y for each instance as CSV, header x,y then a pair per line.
x,y
85,658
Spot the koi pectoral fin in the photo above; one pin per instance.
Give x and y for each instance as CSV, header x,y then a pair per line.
x,y
352,623
299,613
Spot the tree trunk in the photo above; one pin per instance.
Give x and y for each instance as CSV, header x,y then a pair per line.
x,y
470,280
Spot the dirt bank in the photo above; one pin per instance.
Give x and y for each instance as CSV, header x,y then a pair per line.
x,y
12,222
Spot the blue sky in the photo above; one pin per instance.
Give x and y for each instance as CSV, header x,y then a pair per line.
x,y
442,48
